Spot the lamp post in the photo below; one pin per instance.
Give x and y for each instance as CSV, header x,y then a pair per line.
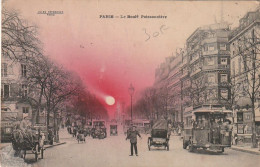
x,y
131,90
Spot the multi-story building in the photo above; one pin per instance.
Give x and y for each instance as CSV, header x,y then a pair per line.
x,y
161,85
186,103
209,70
162,72
174,89
245,71
14,90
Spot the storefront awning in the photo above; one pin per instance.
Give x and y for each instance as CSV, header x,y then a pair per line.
x,y
204,110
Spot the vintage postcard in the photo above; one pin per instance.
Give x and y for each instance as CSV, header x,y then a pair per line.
x,y
137,83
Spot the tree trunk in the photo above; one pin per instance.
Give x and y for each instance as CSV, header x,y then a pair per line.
x,y
39,106
56,138
48,114
254,141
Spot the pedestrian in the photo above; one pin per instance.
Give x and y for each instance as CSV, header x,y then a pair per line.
x,y
132,135
236,138
215,131
75,131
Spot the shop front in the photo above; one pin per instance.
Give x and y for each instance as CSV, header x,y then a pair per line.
x,y
244,127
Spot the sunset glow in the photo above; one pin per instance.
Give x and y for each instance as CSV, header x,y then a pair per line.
x,y
110,100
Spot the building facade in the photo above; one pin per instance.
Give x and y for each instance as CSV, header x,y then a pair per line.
x,y
186,100
14,90
174,89
208,61
245,71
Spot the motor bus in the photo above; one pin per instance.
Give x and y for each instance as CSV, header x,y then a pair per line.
x,y
210,130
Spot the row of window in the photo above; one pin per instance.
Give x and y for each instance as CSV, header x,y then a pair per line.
x,y
212,47
240,66
210,61
212,79
213,95
25,110
6,91
4,70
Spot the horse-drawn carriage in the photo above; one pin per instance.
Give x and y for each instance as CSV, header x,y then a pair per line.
x,y
81,136
159,135
28,141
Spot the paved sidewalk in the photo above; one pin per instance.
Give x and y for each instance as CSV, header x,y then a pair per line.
x,y
246,149
63,133
3,145
54,144
63,137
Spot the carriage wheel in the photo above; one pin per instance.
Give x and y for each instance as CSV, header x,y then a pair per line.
x,y
167,147
42,150
191,148
36,152
20,153
149,144
184,144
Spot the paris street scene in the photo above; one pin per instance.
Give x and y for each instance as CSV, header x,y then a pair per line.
x,y
130,83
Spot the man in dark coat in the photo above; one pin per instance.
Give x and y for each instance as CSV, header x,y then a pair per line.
x,y
132,135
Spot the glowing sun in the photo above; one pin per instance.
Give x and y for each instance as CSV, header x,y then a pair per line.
x,y
110,100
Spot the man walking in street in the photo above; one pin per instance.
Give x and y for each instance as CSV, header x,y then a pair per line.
x,y
132,135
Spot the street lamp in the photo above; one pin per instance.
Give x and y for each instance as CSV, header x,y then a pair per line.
x,y
131,90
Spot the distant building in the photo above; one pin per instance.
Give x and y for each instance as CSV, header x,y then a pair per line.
x,y
174,89
161,85
162,72
186,98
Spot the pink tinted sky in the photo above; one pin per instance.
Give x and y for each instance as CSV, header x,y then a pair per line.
x,y
109,54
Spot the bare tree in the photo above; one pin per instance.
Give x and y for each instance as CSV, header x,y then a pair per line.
x,y
38,74
21,44
230,100
198,89
248,49
60,85
151,97
19,39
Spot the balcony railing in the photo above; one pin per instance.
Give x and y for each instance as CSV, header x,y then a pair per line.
x,y
210,52
195,72
184,74
223,66
216,67
194,59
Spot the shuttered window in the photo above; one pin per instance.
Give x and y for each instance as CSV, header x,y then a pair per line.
x,y
24,70
5,91
4,70
24,90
